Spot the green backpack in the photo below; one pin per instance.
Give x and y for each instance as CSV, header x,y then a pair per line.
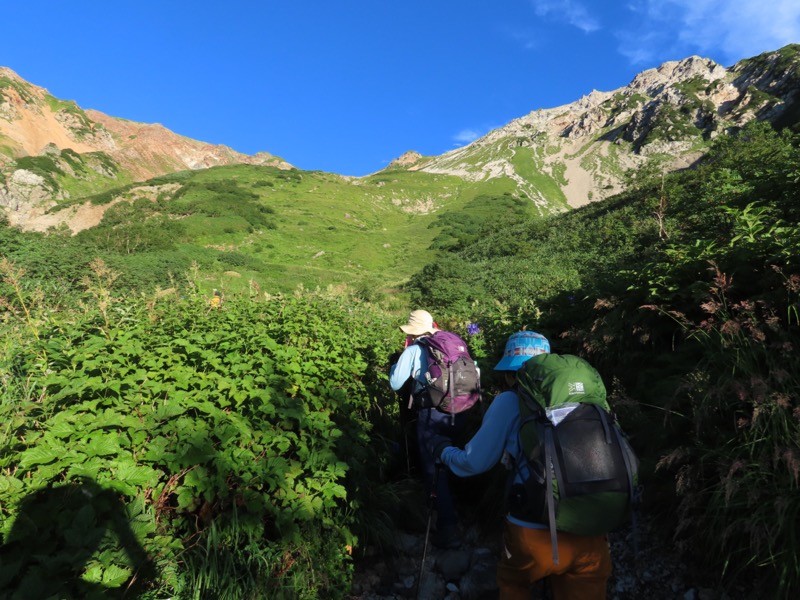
x,y
583,471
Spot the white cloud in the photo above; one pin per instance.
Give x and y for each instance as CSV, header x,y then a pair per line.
x,y
730,29
465,136
526,38
571,11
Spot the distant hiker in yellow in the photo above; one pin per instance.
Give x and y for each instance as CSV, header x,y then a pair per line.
x,y
216,299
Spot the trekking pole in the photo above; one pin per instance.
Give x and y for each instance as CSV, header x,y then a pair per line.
x,y
431,499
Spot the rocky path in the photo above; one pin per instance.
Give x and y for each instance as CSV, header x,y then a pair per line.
x,y
652,572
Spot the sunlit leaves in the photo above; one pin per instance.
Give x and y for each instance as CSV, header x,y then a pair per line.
x,y
193,417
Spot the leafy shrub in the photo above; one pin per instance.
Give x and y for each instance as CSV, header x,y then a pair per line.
x,y
236,438
683,291
459,229
134,236
221,199
702,333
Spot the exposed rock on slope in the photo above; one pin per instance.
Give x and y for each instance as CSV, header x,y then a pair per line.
x,y
667,113
45,141
31,119
409,159
52,150
148,150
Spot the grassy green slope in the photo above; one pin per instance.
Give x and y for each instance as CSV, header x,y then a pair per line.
x,y
510,164
322,229
251,226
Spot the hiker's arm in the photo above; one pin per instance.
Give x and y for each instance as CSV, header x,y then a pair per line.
x,y
486,447
406,366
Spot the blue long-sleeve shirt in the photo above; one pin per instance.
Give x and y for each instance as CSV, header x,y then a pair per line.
x,y
496,440
412,363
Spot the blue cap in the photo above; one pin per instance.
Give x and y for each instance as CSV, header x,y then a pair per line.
x,y
520,347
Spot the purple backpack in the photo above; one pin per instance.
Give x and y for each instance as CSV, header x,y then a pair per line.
x,y
454,383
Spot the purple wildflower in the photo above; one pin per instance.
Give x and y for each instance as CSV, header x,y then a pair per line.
x,y
473,329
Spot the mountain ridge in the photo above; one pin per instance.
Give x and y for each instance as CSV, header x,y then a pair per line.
x,y
44,139
52,151
90,130
705,99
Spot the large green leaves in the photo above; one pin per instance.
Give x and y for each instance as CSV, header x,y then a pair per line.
x,y
258,410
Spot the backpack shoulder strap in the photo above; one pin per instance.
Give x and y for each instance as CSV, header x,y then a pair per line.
x,y
549,458
424,343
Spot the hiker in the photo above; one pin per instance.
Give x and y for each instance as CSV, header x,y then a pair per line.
x,y
583,565
216,299
409,370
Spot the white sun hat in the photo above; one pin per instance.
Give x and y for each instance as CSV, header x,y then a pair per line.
x,y
420,322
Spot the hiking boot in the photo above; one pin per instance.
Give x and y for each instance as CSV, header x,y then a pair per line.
x,y
447,538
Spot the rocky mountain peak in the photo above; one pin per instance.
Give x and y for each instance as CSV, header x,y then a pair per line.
x,y
406,160
653,81
590,100
83,144
666,113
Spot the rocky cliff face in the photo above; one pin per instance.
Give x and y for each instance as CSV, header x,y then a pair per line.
x,y
148,150
45,142
52,150
667,114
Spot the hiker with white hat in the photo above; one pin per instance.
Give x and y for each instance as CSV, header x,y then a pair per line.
x,y
431,423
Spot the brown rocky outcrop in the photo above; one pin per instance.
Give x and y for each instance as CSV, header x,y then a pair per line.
x,y
34,123
406,160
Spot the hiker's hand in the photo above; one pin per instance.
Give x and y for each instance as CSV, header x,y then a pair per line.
x,y
437,446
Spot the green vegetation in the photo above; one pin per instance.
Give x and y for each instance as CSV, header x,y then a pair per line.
x,y
620,102
693,86
460,229
239,439
250,445
45,167
673,123
83,125
68,174
685,292
786,61
276,229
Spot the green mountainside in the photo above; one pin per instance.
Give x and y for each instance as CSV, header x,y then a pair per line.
x,y
253,447
280,227
277,229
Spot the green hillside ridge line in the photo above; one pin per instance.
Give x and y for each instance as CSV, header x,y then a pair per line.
x,y
359,231
361,224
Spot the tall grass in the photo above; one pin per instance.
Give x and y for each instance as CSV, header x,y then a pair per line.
x,y
738,475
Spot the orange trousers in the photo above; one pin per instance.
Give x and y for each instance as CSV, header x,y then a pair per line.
x,y
582,573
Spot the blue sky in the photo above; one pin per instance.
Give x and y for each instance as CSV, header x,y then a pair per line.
x,y
347,86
